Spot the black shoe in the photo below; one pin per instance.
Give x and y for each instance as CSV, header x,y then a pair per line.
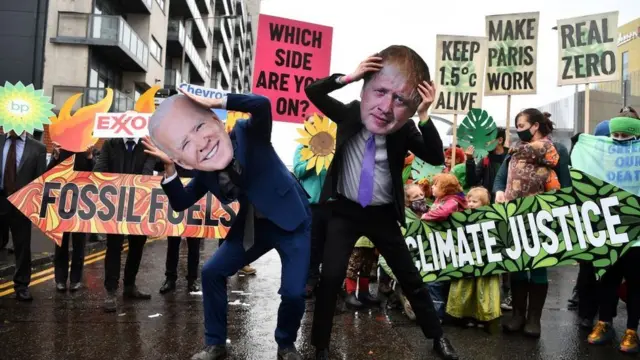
x,y
168,286
193,286
132,293
73,287
23,295
110,302
211,352
586,323
352,302
61,287
443,347
289,353
322,354
367,298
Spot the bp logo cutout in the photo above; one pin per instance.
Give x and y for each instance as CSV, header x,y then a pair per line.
x,y
22,108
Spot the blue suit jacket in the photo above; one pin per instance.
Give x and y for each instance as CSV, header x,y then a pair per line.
x,y
268,184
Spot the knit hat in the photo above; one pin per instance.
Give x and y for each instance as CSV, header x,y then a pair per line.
x,y
626,125
602,129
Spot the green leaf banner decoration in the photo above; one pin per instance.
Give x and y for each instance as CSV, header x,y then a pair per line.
x,y
478,129
421,169
590,221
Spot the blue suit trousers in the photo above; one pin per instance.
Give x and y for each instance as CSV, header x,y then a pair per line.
x,y
294,250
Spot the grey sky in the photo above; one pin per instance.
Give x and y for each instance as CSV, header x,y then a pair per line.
x,y
363,27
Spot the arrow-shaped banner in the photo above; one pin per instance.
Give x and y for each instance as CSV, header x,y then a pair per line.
x,y
64,200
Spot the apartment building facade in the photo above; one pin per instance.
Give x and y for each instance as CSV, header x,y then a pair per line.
x,y
129,46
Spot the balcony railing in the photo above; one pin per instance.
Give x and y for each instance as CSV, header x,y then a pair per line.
x,y
197,18
190,50
172,78
61,93
102,30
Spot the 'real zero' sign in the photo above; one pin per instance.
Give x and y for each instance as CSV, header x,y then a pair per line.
x,y
587,49
121,125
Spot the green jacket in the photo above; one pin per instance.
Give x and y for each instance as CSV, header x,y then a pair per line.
x,y
311,181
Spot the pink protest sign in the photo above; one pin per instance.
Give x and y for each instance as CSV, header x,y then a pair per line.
x,y
290,55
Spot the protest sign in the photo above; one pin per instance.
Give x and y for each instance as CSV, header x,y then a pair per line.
x,y
23,108
64,200
590,221
587,49
228,117
290,55
478,129
121,125
512,44
607,160
459,73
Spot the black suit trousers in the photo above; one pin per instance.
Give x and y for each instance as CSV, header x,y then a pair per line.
x,y
347,222
112,260
61,258
319,221
20,228
173,256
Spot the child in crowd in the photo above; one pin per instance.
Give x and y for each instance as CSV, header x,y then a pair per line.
x,y
542,154
449,198
363,258
476,299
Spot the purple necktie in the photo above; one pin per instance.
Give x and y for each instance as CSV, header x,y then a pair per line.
x,y
365,192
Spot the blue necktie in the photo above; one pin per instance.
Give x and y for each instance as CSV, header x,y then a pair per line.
x,y
130,144
365,192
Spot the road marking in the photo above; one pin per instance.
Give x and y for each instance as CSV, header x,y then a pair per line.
x,y
89,259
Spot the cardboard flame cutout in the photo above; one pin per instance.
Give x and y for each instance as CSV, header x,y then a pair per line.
x,y
74,132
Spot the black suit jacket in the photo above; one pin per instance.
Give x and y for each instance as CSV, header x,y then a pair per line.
x,y
111,159
32,164
81,163
425,144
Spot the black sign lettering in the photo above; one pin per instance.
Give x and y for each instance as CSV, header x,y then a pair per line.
x,y
131,217
108,203
47,197
68,190
295,35
155,204
293,59
208,220
86,193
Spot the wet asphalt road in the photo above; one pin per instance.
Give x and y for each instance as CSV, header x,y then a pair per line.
x,y
73,326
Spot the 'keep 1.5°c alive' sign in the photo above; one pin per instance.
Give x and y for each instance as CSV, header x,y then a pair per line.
x,y
513,52
587,49
460,71
590,221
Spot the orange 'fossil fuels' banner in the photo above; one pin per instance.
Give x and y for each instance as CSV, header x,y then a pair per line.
x,y
64,200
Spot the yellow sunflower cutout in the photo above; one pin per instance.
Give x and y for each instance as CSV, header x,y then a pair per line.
x,y
319,141
232,118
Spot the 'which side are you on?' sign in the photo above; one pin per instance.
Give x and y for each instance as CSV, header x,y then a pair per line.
x,y
587,49
513,43
459,73
290,55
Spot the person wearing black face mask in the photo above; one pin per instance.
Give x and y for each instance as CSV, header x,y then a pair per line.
x,y
529,289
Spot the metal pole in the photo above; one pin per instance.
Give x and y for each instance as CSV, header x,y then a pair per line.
x,y
184,51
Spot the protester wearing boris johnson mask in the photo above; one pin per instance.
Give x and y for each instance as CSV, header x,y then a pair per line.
x,y
364,180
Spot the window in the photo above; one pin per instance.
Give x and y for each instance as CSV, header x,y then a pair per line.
x,y
625,65
161,4
156,50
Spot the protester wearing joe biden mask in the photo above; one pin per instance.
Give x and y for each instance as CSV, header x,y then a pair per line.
x,y
238,166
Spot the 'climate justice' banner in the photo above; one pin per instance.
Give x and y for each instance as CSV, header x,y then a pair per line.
x,y
591,221
290,55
